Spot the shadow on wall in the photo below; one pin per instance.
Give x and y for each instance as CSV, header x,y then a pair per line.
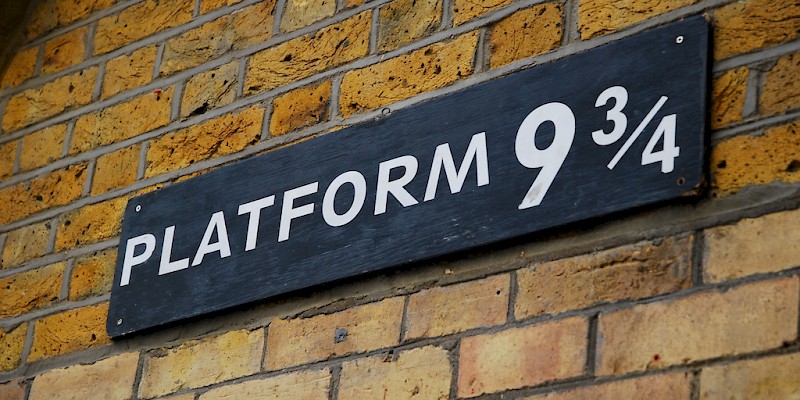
x,y
12,14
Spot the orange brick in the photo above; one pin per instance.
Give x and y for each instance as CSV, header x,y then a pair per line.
x,y
57,188
781,91
116,170
399,78
711,324
210,89
224,135
310,54
674,386
600,17
756,160
369,327
30,290
526,33
92,275
64,50
14,390
139,21
12,342
521,357
302,13
301,385
748,25
20,68
206,6
8,153
42,147
440,311
69,331
90,224
404,21
300,108
727,97
129,71
465,10
122,121
109,379
24,244
761,379
49,14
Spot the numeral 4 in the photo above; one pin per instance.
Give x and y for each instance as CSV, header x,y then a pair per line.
x,y
666,156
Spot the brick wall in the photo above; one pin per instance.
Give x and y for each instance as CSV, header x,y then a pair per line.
x,y
109,99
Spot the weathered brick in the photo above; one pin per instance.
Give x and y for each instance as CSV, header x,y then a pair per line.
x,y
25,243
8,153
521,357
109,379
92,275
440,311
90,224
301,385
465,10
748,25
600,17
69,331
369,327
14,390
187,396
762,379
404,21
64,50
210,89
241,29
122,121
353,3
756,160
203,362
57,188
34,105
12,342
307,55
526,33
752,246
781,91
50,14
727,97
422,373
302,13
223,135
747,318
20,68
116,170
300,108
129,71
624,273
206,6
30,290
420,71
139,21
42,147
674,386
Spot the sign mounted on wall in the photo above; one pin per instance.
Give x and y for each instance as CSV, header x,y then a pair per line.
x,y
616,127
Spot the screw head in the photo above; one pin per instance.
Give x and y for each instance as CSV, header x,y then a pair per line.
x,y
679,39
138,208
119,321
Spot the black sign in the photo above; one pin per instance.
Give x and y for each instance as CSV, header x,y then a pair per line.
x,y
612,128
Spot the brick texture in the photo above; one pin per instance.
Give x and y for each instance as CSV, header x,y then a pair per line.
x,y
109,379
69,331
129,71
781,91
404,21
749,25
139,21
116,169
521,357
31,290
50,14
300,108
92,275
42,147
206,6
12,342
748,318
20,68
301,13
600,17
57,188
763,379
301,385
8,153
203,362
13,390
90,224
465,10
64,50
526,33
25,243
674,386
210,89
727,97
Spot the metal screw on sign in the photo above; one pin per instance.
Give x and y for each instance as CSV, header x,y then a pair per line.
x,y
119,321
679,39
138,208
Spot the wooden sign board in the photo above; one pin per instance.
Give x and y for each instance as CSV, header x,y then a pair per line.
x,y
612,128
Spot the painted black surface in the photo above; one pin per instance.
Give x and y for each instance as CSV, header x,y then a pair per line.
x,y
649,65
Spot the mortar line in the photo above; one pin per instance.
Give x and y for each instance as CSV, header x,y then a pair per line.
x,y
51,236
142,166
373,30
57,257
333,388
262,364
754,125
333,110
280,6
2,244
137,378
591,345
66,280
28,387
87,186
752,91
695,385
196,10
447,15
265,124
757,56
60,307
698,256
404,319
15,168
571,32
37,68
90,36
242,71
177,99
28,346
98,84
454,356
513,289
68,139
157,62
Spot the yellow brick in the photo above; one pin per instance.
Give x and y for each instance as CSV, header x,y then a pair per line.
x,y
302,385
465,10
203,362
399,78
50,14
521,357
109,379
25,243
353,3
600,17
20,68
244,28
440,311
404,21
116,170
57,188
625,273
8,153
369,327
307,55
37,104
748,25
92,275
14,390
727,97
122,121
64,50
69,331
90,224
752,246
12,342
210,89
756,160
302,13
223,135
139,21
129,71
762,379
744,319
300,108
674,386
526,33
781,90
31,290
42,147
206,6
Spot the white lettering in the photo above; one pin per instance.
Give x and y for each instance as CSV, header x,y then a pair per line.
x,y
166,265
254,209
289,212
149,242
359,196
395,187
217,223
443,158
